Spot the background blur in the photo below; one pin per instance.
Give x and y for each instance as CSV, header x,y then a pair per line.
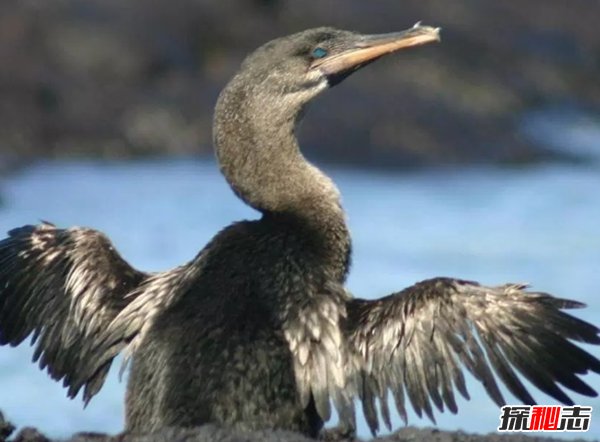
x,y
120,79
478,157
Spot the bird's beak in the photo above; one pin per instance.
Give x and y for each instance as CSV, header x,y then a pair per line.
x,y
369,48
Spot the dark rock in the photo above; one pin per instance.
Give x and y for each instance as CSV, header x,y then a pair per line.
x,y
29,434
104,78
6,428
214,433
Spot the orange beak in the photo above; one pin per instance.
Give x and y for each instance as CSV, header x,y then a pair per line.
x,y
369,48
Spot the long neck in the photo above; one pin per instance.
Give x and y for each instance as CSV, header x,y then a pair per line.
x,y
257,150
254,134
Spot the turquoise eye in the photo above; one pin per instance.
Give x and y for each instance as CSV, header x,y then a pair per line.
x,y
319,52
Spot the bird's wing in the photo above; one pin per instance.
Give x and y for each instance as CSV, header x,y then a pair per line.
x,y
415,343
323,366
65,287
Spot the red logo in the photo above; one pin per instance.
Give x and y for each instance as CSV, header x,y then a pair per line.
x,y
545,418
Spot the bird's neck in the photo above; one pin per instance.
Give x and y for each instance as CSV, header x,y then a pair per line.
x,y
259,156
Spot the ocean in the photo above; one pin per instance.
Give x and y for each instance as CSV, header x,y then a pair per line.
x,y
538,224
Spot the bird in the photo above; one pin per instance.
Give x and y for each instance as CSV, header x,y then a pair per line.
x,y
258,330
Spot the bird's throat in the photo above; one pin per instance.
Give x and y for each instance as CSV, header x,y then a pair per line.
x,y
258,153
259,156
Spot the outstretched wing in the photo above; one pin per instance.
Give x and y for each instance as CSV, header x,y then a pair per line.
x,y
416,342
64,287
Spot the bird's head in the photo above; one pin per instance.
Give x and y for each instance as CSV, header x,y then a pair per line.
x,y
259,109
298,67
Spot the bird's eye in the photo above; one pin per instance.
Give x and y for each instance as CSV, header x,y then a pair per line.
x,y
319,52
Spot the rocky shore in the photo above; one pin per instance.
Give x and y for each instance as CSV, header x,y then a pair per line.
x,y
211,433
102,78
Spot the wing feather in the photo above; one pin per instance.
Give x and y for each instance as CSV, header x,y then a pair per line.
x,y
323,367
63,287
416,342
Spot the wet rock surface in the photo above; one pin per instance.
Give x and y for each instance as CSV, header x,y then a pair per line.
x,y
211,433
112,79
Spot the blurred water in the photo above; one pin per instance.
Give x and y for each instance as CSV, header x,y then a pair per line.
x,y
538,225
565,128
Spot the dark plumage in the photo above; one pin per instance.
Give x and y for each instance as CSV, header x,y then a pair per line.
x,y
258,330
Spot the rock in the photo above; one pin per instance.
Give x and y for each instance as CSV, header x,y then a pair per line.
x,y
6,428
29,434
100,78
213,433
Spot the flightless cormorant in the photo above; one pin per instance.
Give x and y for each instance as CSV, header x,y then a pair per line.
x,y
258,331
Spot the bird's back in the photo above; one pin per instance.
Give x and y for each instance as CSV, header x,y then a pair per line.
x,y
219,353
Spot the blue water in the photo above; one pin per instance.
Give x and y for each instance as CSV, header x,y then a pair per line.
x,y
538,225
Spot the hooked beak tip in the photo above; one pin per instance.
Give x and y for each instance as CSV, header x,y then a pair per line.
x,y
369,48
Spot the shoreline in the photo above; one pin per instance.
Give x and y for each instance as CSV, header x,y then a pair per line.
x,y
210,433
